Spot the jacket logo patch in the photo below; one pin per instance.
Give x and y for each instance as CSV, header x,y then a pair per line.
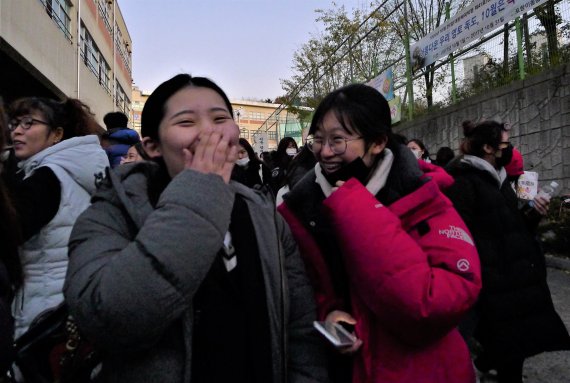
x,y
457,233
463,264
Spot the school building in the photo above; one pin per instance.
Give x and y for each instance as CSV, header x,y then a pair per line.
x,y
75,48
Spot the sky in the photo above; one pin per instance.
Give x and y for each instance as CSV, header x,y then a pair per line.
x,y
245,46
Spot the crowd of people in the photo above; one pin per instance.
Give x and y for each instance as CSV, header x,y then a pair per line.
x,y
182,255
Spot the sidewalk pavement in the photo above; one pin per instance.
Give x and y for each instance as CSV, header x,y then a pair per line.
x,y
557,262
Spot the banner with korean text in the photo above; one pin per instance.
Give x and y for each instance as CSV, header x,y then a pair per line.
x,y
260,142
469,24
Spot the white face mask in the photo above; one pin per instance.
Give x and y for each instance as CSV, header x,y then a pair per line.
x,y
417,153
291,151
242,161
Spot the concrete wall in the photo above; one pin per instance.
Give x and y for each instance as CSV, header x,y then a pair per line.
x,y
538,110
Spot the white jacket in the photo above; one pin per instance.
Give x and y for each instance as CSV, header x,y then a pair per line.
x,y
75,162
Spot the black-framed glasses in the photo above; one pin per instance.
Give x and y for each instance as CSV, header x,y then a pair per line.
x,y
25,122
337,144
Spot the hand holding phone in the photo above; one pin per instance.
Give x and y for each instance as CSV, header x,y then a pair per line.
x,y
335,333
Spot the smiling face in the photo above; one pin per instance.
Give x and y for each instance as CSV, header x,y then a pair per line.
x,y
331,129
187,113
39,135
132,156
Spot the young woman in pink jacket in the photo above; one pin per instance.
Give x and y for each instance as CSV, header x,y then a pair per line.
x,y
384,248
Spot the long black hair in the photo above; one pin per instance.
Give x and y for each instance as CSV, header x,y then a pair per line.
x,y
10,233
72,115
481,134
153,113
253,158
154,107
422,146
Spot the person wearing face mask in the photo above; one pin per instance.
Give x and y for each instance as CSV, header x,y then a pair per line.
x,y
419,149
248,169
384,248
515,168
179,274
281,159
514,317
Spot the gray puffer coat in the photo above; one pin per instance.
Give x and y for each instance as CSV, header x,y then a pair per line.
x,y
134,269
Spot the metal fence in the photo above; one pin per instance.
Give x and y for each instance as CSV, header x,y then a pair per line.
x,y
521,48
538,40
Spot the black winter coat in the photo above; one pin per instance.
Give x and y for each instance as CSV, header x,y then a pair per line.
x,y
249,175
517,318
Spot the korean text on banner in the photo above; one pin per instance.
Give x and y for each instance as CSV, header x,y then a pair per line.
x,y
260,142
468,24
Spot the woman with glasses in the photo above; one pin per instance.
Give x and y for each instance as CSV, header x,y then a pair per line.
x,y
385,250
514,317
59,156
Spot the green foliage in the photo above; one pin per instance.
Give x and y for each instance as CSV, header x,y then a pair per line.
x,y
352,48
554,230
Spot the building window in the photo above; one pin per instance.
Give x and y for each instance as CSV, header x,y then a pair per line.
x,y
122,48
58,10
121,99
272,135
89,51
104,12
94,60
244,133
105,75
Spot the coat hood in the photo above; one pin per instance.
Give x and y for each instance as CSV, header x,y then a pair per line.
x,y
124,136
82,158
478,163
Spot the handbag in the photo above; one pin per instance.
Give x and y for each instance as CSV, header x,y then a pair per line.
x,y
53,350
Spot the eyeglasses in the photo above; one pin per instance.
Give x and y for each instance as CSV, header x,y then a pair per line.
x,y
25,122
337,144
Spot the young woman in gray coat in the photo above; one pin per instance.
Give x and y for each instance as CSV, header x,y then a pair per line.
x,y
178,274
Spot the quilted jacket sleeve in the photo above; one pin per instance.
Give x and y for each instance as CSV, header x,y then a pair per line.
x,y
126,292
414,264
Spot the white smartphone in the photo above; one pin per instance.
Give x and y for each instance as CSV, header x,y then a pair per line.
x,y
335,333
